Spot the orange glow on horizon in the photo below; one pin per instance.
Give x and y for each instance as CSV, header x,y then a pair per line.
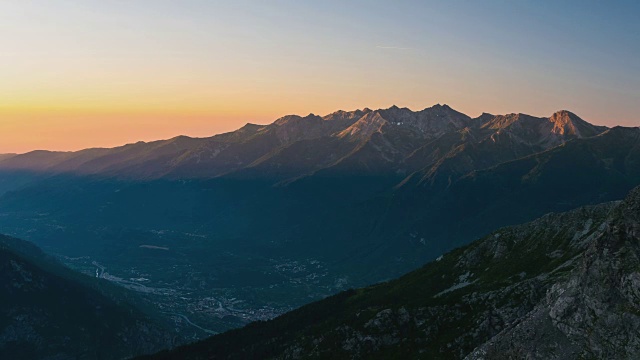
x,y
69,128
103,73
69,132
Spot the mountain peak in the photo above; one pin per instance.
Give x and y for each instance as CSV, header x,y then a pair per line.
x,y
441,106
563,123
251,126
484,117
296,118
394,109
285,119
567,123
502,121
349,116
564,117
564,113
367,125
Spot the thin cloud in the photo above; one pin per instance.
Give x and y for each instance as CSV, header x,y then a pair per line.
x,y
394,47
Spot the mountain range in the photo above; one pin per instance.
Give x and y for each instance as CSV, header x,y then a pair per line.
x,y
386,141
244,226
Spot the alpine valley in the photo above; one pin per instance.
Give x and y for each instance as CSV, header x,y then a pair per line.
x,y
565,286
204,235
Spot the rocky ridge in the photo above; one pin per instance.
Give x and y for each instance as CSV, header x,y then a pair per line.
x,y
383,141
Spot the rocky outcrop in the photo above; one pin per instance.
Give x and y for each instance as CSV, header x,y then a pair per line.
x,y
594,312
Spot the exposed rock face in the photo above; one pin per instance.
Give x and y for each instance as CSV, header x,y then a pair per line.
x,y
366,126
593,312
566,286
566,122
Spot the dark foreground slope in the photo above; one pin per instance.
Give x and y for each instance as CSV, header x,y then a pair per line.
x,y
565,286
48,312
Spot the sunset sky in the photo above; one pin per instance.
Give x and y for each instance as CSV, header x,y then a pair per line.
x,y
76,74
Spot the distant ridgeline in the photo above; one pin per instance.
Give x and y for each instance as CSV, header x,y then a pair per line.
x,y
243,226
